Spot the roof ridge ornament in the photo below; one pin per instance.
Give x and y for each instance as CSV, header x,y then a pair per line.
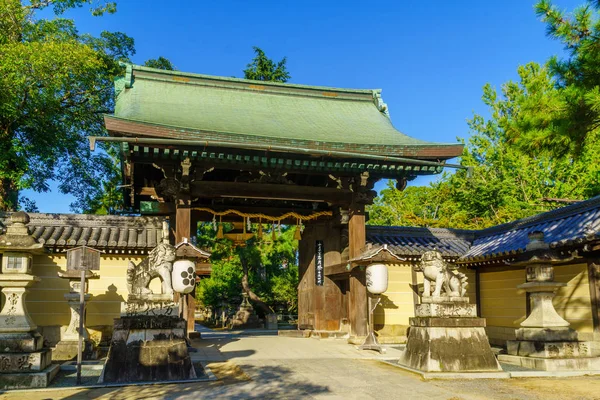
x,y
381,106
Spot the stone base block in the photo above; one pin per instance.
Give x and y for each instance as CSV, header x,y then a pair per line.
x,y
547,334
444,299
25,362
449,349
26,380
148,349
553,364
149,308
445,310
21,342
549,349
67,350
448,322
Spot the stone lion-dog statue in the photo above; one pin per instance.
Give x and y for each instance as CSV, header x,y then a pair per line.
x,y
439,274
159,263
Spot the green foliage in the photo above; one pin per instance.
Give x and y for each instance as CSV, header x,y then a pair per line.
x,y
55,84
541,142
508,183
160,63
273,272
263,68
570,113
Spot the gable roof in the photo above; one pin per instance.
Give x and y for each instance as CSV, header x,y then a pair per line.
x,y
178,105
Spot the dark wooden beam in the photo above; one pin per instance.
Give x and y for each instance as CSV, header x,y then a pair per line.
x,y
337,271
207,189
358,289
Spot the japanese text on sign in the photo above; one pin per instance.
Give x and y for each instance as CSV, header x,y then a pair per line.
x,y
319,263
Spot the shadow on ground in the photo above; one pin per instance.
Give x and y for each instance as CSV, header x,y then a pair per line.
x,y
234,382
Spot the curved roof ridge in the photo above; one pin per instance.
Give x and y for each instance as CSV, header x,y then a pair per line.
x,y
252,81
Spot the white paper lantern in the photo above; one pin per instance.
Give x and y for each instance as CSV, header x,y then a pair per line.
x,y
183,276
377,278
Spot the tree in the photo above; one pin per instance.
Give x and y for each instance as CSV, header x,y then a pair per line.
x,y
564,123
263,68
55,84
160,63
265,269
508,182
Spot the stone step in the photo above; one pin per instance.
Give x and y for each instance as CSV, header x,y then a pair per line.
x,y
25,362
294,333
26,380
329,334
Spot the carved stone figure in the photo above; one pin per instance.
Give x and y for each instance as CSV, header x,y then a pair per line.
x,y
440,274
159,263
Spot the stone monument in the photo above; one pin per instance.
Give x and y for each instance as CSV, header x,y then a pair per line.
x,y
66,349
446,335
245,317
545,341
24,362
148,342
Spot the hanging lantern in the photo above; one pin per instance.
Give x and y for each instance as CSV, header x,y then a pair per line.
x,y
273,236
183,277
377,278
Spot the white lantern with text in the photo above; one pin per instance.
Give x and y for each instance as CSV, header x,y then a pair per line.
x,y
377,278
183,277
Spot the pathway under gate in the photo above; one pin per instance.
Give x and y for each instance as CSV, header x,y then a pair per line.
x,y
260,365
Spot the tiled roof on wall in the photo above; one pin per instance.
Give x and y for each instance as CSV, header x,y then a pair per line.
x,y
566,226
105,232
411,243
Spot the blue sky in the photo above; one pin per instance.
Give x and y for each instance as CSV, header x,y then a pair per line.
x,y
431,58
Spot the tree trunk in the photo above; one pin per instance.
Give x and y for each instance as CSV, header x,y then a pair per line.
x,y
246,288
8,195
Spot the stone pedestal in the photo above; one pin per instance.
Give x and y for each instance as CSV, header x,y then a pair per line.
x,y
67,348
545,341
447,336
148,344
24,363
148,348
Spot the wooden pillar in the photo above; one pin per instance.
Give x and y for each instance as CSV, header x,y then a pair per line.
x,y
183,230
594,280
358,290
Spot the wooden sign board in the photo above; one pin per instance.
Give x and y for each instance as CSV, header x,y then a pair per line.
x,y
83,258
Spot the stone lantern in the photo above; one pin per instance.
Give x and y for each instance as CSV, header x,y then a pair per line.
x,y
66,349
24,362
545,341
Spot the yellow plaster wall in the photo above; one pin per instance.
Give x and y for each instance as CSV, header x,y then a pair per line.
x,y
391,317
504,306
396,305
46,302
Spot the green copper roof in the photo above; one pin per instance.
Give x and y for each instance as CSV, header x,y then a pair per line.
x,y
183,105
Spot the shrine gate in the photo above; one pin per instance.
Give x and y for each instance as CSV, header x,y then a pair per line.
x,y
195,146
